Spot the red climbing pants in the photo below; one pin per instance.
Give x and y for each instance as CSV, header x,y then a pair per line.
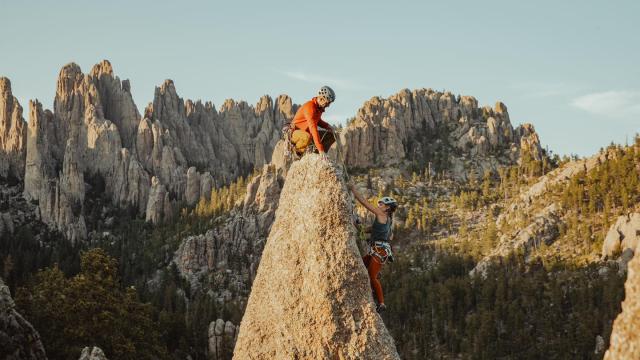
x,y
374,265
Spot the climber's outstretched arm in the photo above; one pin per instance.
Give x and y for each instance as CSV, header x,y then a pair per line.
x,y
366,204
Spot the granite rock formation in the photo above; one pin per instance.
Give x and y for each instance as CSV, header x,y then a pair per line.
x,y
94,353
222,339
13,134
548,217
560,176
624,234
307,302
178,151
240,235
544,229
424,126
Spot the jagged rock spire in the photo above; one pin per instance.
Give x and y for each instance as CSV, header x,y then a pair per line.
x,y
424,125
188,147
13,133
311,297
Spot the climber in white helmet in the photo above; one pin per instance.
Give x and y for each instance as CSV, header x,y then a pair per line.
x,y
307,124
379,243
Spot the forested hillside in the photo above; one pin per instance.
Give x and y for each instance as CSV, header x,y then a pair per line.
x,y
130,241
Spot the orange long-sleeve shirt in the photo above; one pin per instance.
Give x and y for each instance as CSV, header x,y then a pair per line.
x,y
308,118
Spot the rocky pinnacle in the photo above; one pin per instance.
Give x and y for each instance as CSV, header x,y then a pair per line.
x,y
311,297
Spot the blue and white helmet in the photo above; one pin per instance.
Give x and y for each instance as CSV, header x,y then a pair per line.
x,y
389,201
328,93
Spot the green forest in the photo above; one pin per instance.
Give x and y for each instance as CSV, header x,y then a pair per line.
x,y
544,306
518,311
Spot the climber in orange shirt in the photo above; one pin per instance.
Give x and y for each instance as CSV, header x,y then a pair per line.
x,y
307,124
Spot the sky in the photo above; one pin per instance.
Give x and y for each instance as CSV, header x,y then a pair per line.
x,y
571,68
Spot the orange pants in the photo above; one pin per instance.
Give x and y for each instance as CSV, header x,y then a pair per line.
x,y
374,265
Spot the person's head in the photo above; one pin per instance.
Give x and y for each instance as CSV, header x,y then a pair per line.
x,y
388,204
326,96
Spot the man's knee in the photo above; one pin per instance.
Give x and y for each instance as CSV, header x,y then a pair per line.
x,y
301,139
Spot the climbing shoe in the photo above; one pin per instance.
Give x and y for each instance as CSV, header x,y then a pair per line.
x,y
381,308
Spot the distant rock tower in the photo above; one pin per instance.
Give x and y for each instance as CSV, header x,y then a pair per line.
x,y
13,134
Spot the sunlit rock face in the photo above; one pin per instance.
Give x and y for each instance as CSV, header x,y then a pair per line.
x,y
306,302
13,134
424,125
95,138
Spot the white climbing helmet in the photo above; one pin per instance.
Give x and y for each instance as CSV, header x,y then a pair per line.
x,y
389,201
328,93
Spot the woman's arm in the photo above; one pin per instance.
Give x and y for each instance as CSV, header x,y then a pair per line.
x,y
365,203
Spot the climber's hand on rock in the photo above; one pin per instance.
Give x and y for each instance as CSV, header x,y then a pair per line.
x,y
323,156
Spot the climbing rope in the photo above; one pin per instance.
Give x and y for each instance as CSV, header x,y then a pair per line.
x,y
381,250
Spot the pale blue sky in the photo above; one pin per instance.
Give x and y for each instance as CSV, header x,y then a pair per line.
x,y
571,68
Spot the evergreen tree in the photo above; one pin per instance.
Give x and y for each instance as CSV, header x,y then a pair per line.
x,y
90,309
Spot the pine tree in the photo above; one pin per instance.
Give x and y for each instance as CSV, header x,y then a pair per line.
x,y
90,308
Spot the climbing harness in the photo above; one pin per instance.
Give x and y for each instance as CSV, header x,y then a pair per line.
x,y
382,251
379,242
290,151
